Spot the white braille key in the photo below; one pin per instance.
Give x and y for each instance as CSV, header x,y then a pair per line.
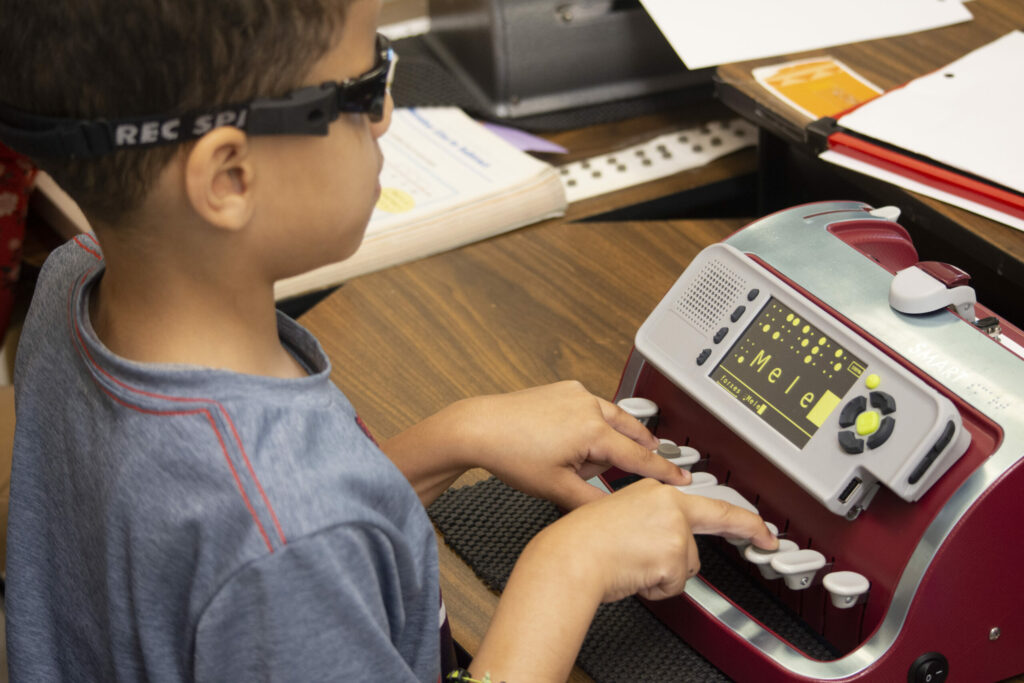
x,y
798,568
680,456
763,558
845,588
643,409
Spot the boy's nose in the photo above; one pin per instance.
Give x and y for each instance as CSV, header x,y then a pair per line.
x,y
381,127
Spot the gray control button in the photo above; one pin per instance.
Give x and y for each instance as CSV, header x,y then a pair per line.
x,y
851,410
703,356
720,335
752,294
738,313
883,433
849,442
667,449
883,401
940,445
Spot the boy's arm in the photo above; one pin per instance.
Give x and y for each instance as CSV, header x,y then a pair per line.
x,y
546,441
637,540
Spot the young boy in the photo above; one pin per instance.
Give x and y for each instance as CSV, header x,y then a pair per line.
x,y
192,499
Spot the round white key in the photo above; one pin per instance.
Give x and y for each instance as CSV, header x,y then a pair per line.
x,y
763,558
667,449
845,588
642,409
687,457
680,456
798,568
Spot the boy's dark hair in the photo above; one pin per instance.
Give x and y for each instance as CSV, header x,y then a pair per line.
x,y
121,58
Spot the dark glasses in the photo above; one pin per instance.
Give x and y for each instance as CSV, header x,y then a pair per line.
x,y
305,111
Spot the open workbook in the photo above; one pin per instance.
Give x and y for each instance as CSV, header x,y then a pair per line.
x,y
447,181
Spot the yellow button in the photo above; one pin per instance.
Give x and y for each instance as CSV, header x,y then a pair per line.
x,y
872,381
867,422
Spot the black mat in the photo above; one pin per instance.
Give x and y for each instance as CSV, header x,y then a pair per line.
x,y
488,525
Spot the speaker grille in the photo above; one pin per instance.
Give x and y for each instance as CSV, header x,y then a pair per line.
x,y
711,296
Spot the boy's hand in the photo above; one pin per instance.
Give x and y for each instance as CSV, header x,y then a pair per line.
x,y
547,441
640,538
636,540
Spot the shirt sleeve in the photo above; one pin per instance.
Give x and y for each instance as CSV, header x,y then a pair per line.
x,y
331,606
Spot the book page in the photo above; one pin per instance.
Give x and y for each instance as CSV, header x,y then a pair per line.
x,y
447,181
438,158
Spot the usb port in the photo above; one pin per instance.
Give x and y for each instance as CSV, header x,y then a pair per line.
x,y
848,491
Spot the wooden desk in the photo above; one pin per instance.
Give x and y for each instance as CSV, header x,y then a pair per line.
x,y
992,252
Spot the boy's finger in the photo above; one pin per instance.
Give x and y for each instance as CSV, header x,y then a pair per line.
x,y
711,516
624,423
619,450
571,492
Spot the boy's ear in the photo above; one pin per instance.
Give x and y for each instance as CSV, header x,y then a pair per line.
x,y
219,176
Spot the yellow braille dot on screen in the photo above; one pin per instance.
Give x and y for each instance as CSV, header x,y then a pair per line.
x,y
806,329
807,359
814,350
837,367
775,335
740,360
796,321
789,317
766,328
839,353
803,342
822,341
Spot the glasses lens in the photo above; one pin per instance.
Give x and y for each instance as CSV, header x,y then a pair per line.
x,y
369,93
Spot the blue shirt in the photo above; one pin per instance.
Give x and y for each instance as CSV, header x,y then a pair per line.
x,y
177,523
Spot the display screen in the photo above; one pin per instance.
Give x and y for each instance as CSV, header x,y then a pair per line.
x,y
787,372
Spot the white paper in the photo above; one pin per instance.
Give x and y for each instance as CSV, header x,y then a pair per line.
x,y
920,188
711,32
967,115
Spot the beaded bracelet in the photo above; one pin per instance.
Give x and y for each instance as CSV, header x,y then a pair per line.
x,y
463,676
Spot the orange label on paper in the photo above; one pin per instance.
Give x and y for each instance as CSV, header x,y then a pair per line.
x,y
817,87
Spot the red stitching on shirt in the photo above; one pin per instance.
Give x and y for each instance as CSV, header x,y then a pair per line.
x,y
91,251
227,456
220,439
366,431
259,487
